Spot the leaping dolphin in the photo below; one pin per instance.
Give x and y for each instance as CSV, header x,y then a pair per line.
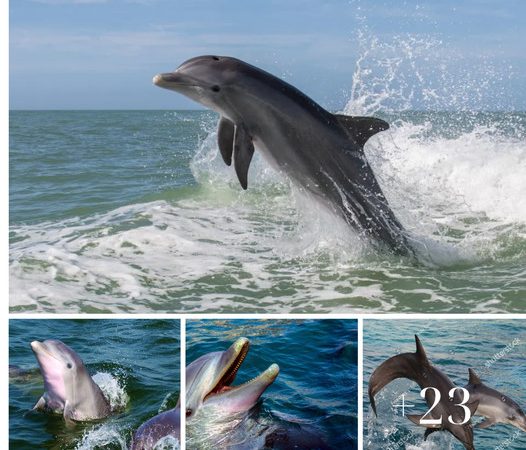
x,y
69,389
493,405
417,367
321,152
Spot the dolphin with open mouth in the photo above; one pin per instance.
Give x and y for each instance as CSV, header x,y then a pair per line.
x,y
210,378
209,394
320,151
69,389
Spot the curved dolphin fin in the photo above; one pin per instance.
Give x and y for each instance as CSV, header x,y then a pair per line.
x,y
405,365
41,404
225,139
361,128
243,151
473,378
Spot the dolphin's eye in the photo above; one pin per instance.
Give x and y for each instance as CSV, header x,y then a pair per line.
x,y
188,412
215,88
512,418
69,366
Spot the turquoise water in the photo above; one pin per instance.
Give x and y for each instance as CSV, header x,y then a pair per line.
x,y
136,363
316,388
495,349
134,211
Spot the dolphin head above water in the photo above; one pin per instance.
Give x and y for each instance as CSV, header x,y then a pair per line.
x,y
493,405
213,81
209,382
69,389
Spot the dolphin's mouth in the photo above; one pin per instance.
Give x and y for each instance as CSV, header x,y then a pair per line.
x,y
229,374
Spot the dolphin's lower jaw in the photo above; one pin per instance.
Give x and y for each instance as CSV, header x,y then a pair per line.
x,y
243,397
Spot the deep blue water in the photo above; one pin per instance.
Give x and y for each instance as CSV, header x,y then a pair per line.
x,y
495,349
138,361
317,384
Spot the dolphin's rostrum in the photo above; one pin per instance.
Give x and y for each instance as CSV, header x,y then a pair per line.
x,y
321,152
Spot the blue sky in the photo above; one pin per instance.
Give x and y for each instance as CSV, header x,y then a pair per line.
x,y
99,54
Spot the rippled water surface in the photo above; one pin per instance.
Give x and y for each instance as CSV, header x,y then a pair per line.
x,y
315,393
495,349
134,211
136,363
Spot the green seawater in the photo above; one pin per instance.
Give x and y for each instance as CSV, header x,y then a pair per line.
x,y
135,211
135,362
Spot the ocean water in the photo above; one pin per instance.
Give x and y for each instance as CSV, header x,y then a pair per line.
x,y
136,363
134,211
495,349
316,388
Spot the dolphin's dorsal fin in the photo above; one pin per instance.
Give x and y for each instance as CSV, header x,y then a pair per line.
x,y
225,139
243,151
361,128
420,352
473,378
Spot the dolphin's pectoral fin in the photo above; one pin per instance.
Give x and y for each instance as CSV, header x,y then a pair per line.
x,y
416,418
429,431
361,128
243,151
41,404
486,423
225,139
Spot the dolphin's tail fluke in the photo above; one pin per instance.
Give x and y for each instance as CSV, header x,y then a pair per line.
x,y
405,365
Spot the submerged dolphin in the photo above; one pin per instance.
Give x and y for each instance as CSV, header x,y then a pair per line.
x,y
322,152
209,392
416,367
493,405
158,427
69,389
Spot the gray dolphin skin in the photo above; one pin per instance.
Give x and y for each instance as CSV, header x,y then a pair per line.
x,y
209,383
69,389
209,393
416,367
159,427
493,405
320,151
